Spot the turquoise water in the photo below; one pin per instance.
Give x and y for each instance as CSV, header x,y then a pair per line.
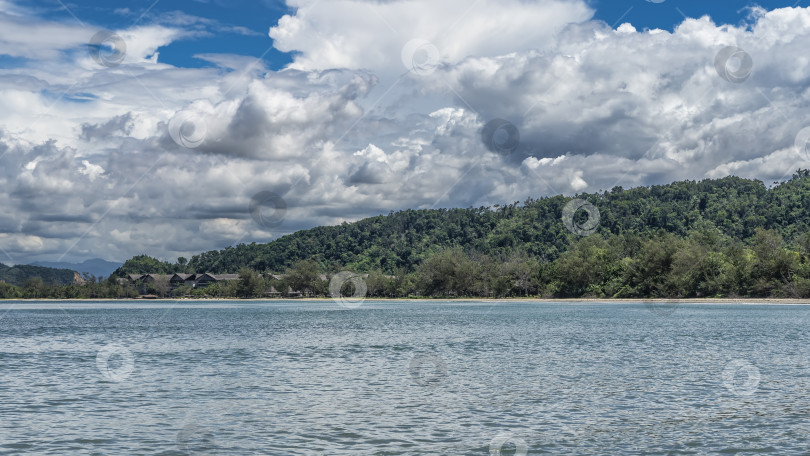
x,y
397,378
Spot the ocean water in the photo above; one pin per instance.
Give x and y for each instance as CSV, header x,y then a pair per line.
x,y
403,378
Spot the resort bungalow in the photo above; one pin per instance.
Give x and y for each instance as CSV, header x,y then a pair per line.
x,y
135,278
204,280
152,278
178,280
272,293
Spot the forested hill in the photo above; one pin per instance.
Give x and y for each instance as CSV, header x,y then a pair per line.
x,y
20,274
400,241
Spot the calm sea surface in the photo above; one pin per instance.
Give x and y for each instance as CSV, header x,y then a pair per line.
x,y
397,378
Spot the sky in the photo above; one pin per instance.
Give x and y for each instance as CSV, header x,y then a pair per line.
x,y
169,128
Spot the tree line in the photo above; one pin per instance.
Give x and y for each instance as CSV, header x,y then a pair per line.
x,y
727,237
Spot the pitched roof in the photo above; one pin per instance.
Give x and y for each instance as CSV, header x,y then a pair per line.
x,y
226,276
211,277
158,276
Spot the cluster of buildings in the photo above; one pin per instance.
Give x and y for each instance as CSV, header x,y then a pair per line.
x,y
166,283
143,282
178,280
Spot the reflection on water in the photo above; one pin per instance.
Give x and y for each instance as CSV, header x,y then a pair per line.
x,y
400,378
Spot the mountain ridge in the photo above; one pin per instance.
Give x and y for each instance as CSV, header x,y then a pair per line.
x,y
95,266
401,240
19,274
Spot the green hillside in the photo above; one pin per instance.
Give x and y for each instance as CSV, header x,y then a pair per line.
x,y
18,275
723,237
736,207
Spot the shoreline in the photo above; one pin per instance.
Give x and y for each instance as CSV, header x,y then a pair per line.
x,y
781,301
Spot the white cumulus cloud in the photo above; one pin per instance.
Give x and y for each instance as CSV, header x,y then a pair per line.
x,y
92,165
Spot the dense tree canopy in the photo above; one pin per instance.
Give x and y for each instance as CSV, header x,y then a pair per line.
x,y
19,274
403,240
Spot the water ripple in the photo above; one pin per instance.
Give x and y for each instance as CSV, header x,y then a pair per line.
x,y
402,378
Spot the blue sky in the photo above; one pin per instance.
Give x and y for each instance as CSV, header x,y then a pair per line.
x,y
667,14
360,107
257,16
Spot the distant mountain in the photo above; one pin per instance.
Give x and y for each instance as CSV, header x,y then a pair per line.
x,y
96,266
17,275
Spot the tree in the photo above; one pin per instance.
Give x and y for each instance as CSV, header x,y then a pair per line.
x,y
251,284
160,287
34,288
587,267
522,274
8,291
775,266
449,272
646,273
376,284
143,264
304,276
